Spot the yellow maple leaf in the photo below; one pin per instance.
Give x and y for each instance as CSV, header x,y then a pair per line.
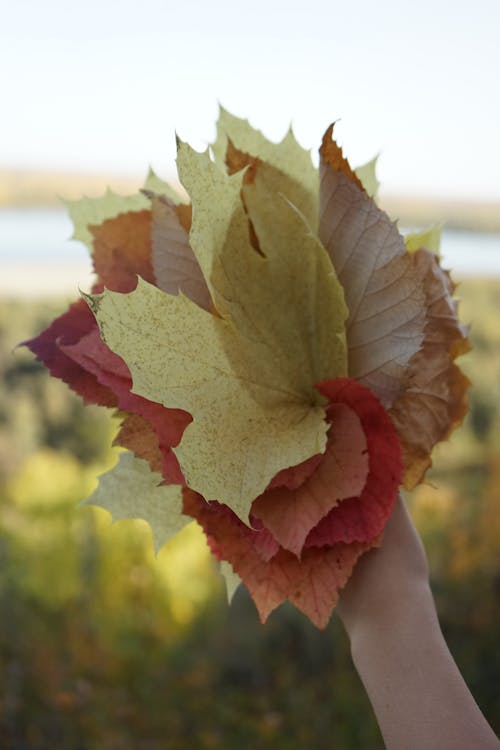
x,y
247,375
287,156
160,506
430,239
367,173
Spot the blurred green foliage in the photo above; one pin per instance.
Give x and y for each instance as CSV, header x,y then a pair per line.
x,y
104,647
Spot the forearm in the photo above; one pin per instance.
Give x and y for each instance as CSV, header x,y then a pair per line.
x,y
418,695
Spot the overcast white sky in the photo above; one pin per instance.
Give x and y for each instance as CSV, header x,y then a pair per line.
x,y
102,85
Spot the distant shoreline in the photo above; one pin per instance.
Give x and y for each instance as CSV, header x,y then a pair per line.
x,y
463,215
27,189
26,280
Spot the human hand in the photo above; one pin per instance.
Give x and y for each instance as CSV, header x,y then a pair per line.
x,y
417,692
386,578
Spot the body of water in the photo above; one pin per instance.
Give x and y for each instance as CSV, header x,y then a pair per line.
x,y
38,234
37,256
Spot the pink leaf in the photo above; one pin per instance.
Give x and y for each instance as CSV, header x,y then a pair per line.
x,y
363,518
294,476
290,514
319,577
68,329
92,354
122,249
312,583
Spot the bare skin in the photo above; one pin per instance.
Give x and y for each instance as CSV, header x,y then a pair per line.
x,y
419,697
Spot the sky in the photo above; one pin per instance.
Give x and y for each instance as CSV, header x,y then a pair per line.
x,y
102,86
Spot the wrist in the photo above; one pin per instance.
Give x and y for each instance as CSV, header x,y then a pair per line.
x,y
388,580
401,606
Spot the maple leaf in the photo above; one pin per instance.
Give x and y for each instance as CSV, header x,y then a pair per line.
x,y
362,518
247,375
287,157
88,212
351,493
131,490
384,295
238,145
277,296
277,181
155,184
434,402
245,429
312,583
175,266
253,350
73,351
138,436
122,250
367,174
291,514
294,476
68,329
94,357
312,580
430,239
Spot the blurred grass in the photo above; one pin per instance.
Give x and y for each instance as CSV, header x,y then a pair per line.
x,y
104,647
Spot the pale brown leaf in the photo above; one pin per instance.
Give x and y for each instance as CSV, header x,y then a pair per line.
x,y
434,402
138,435
383,293
174,264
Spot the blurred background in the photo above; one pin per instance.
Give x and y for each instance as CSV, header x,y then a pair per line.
x,y
102,645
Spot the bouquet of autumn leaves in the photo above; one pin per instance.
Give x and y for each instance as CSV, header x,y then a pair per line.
x,y
280,357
